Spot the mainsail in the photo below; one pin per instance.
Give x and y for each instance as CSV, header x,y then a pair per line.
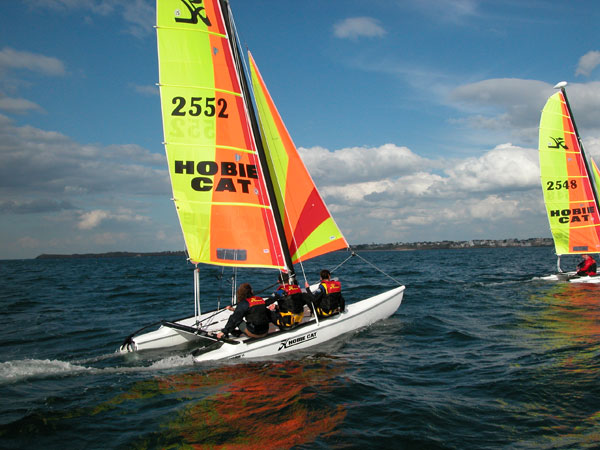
x,y
243,195
218,185
570,197
309,228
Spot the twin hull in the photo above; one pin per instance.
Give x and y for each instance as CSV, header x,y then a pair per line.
x,y
356,316
572,277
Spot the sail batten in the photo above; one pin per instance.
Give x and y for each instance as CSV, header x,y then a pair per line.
x,y
569,193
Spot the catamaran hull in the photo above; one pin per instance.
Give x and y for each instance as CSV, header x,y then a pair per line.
x,y
357,315
571,277
169,337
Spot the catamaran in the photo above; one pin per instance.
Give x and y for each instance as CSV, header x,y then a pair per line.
x,y
570,182
243,196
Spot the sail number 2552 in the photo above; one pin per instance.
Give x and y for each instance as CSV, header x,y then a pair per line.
x,y
560,184
196,106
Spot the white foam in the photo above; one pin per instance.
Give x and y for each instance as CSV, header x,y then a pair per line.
x,y
12,371
25,368
172,362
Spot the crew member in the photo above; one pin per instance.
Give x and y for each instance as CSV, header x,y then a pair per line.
x,y
328,298
290,303
251,308
587,267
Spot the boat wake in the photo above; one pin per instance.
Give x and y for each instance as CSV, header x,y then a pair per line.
x,y
18,370
26,368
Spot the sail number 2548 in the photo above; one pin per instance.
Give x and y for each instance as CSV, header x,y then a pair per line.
x,y
207,106
560,184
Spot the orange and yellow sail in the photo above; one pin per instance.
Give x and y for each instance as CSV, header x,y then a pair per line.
x,y
219,186
570,197
309,228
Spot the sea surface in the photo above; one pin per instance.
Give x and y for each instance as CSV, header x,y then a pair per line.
x,y
481,354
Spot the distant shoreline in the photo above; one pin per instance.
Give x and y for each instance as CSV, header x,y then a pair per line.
x,y
398,246
474,243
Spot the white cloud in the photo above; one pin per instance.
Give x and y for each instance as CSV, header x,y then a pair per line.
x,y
146,90
355,27
504,168
415,196
587,63
513,106
359,164
14,59
18,105
102,7
140,14
36,162
448,10
92,219
517,101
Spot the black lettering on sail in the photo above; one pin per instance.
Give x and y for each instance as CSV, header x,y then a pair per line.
x,y
195,7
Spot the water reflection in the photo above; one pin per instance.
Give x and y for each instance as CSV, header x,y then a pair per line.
x,y
573,316
253,405
561,369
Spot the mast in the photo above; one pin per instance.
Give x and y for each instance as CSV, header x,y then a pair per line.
x,y
257,137
584,156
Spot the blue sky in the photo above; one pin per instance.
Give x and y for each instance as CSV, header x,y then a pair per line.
x,y
417,119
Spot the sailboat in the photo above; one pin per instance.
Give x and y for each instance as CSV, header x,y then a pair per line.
x,y
242,193
570,183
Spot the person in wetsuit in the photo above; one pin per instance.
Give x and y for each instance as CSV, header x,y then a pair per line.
x,y
290,303
328,298
587,267
251,308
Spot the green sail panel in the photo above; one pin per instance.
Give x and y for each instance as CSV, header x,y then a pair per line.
x,y
218,186
569,196
596,173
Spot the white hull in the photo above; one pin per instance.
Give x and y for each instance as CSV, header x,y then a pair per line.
x,y
308,334
571,277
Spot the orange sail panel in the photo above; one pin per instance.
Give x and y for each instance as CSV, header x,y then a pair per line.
x,y
218,185
309,228
568,192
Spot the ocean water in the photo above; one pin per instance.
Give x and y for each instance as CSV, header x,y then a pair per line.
x,y
480,355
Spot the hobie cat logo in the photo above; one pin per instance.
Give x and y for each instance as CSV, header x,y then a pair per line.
x,y
558,143
297,340
196,9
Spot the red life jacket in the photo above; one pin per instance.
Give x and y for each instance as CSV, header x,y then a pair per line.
x,y
331,286
290,289
257,317
589,267
331,301
292,301
255,301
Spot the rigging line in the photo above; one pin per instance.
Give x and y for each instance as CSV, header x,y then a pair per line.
x,y
375,267
343,262
267,288
303,273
